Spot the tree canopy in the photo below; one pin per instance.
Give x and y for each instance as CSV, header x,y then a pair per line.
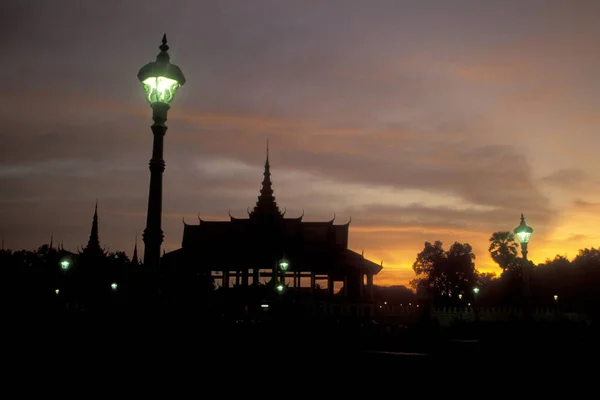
x,y
445,272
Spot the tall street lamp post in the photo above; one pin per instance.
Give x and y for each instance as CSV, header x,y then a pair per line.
x,y
160,79
523,233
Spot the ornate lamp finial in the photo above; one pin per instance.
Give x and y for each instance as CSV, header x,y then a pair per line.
x,y
163,46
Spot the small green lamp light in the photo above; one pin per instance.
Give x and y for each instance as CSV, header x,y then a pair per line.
x,y
64,265
284,264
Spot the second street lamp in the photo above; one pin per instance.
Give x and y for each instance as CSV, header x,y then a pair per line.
x,y
161,79
523,234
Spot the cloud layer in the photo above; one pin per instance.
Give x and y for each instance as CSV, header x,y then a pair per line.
x,y
422,121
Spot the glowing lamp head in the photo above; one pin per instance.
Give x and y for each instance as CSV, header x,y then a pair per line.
x,y
280,288
476,290
284,264
523,232
160,78
64,265
114,286
555,297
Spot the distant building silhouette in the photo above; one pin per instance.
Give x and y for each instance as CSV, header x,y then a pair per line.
x,y
245,252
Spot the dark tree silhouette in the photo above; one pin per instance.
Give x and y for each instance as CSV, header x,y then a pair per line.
x,y
503,249
588,257
445,273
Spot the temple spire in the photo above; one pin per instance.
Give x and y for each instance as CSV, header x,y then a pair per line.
x,y
51,237
134,259
266,204
94,242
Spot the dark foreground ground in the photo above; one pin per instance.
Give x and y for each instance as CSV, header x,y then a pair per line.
x,y
134,344
183,356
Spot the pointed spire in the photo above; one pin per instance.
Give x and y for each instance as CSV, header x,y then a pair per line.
x,y
266,204
51,237
134,259
267,163
163,56
164,46
2,243
93,245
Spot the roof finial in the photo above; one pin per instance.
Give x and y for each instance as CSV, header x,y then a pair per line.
x,y
163,46
267,163
266,204
522,218
51,237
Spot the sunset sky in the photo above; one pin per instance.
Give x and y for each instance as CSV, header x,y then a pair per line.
x,y
421,120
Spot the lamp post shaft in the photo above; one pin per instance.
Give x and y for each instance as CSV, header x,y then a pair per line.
x,y
526,271
153,234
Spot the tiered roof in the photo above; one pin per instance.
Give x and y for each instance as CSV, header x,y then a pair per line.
x,y
321,247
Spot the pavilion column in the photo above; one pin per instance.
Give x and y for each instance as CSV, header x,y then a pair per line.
x,y
255,276
237,277
361,285
346,288
369,285
330,285
312,282
226,279
245,277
